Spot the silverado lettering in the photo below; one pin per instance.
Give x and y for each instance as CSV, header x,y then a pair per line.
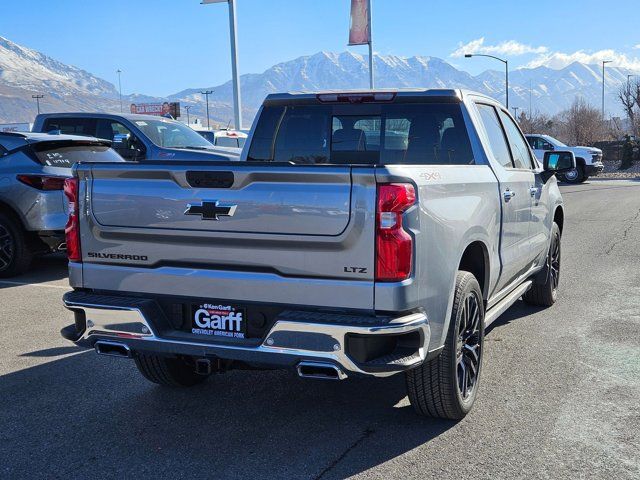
x,y
118,256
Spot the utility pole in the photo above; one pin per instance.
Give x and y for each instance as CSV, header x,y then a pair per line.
x,y
506,70
38,97
120,87
530,91
206,93
371,76
187,108
604,62
237,107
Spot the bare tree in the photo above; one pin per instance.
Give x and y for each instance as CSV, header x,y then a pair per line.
x,y
628,95
581,124
536,123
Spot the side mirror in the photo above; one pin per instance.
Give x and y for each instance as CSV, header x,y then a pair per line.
x,y
558,162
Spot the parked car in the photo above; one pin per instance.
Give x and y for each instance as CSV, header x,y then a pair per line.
x,y
326,250
33,209
588,159
136,137
225,138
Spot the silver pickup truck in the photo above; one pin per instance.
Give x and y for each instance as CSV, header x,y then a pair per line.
x,y
361,234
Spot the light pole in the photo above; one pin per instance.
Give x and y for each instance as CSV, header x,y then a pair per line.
x,y
120,88
506,70
187,108
515,112
629,75
38,97
371,82
206,93
604,62
237,108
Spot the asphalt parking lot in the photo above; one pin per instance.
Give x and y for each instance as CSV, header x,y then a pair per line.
x,y
560,393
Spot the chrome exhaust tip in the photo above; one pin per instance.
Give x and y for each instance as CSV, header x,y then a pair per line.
x,y
112,349
320,371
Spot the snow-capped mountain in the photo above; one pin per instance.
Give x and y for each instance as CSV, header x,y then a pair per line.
x,y
24,71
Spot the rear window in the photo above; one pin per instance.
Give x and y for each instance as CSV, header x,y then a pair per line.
x,y
402,133
67,155
227,142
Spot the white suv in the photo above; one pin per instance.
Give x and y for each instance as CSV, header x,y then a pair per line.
x,y
588,159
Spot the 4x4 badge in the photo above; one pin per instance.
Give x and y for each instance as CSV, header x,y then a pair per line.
x,y
211,210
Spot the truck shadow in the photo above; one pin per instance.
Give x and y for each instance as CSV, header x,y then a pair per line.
x,y
44,269
84,414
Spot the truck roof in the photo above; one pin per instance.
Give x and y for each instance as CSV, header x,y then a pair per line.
x,y
446,94
128,116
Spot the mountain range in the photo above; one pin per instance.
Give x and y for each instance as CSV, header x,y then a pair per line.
x,y
25,72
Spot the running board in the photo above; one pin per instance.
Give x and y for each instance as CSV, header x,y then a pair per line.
x,y
500,307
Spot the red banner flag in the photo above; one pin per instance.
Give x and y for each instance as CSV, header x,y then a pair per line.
x,y
360,30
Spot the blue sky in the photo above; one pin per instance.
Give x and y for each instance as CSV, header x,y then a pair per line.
x,y
164,46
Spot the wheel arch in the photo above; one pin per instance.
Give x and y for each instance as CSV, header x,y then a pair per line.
x,y
558,217
475,259
8,210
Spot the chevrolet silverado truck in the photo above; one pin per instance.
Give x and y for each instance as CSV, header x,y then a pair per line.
x,y
360,234
588,159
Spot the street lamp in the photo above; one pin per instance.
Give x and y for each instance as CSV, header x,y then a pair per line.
x,y
38,97
237,109
206,93
120,87
604,62
187,108
515,112
506,70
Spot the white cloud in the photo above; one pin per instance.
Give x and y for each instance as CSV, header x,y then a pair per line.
x,y
559,60
509,48
636,47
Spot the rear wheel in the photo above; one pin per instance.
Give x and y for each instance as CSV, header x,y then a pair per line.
x,y
171,372
15,254
446,386
544,290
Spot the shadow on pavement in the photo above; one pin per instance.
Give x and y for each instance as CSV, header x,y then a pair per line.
x,y
43,269
52,352
89,415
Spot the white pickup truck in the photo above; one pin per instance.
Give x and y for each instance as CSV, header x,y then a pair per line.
x,y
588,159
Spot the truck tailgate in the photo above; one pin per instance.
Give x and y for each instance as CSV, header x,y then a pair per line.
x,y
268,233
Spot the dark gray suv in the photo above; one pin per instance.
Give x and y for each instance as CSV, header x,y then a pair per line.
x,y
33,207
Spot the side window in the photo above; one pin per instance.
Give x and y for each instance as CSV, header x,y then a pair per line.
x,y
519,148
71,126
533,142
124,141
496,135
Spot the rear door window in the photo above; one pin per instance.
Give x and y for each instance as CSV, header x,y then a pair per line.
x,y
71,126
519,147
497,139
399,133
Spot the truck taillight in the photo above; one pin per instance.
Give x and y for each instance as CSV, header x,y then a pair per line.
x,y
43,182
72,229
394,246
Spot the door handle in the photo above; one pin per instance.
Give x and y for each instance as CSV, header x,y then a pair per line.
x,y
508,195
533,191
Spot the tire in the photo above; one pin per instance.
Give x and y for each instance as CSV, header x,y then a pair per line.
x,y
544,290
575,176
170,372
15,253
437,387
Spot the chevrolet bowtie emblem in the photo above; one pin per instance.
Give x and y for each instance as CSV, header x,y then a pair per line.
x,y
211,210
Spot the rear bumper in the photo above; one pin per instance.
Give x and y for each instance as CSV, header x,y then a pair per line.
x,y
294,337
